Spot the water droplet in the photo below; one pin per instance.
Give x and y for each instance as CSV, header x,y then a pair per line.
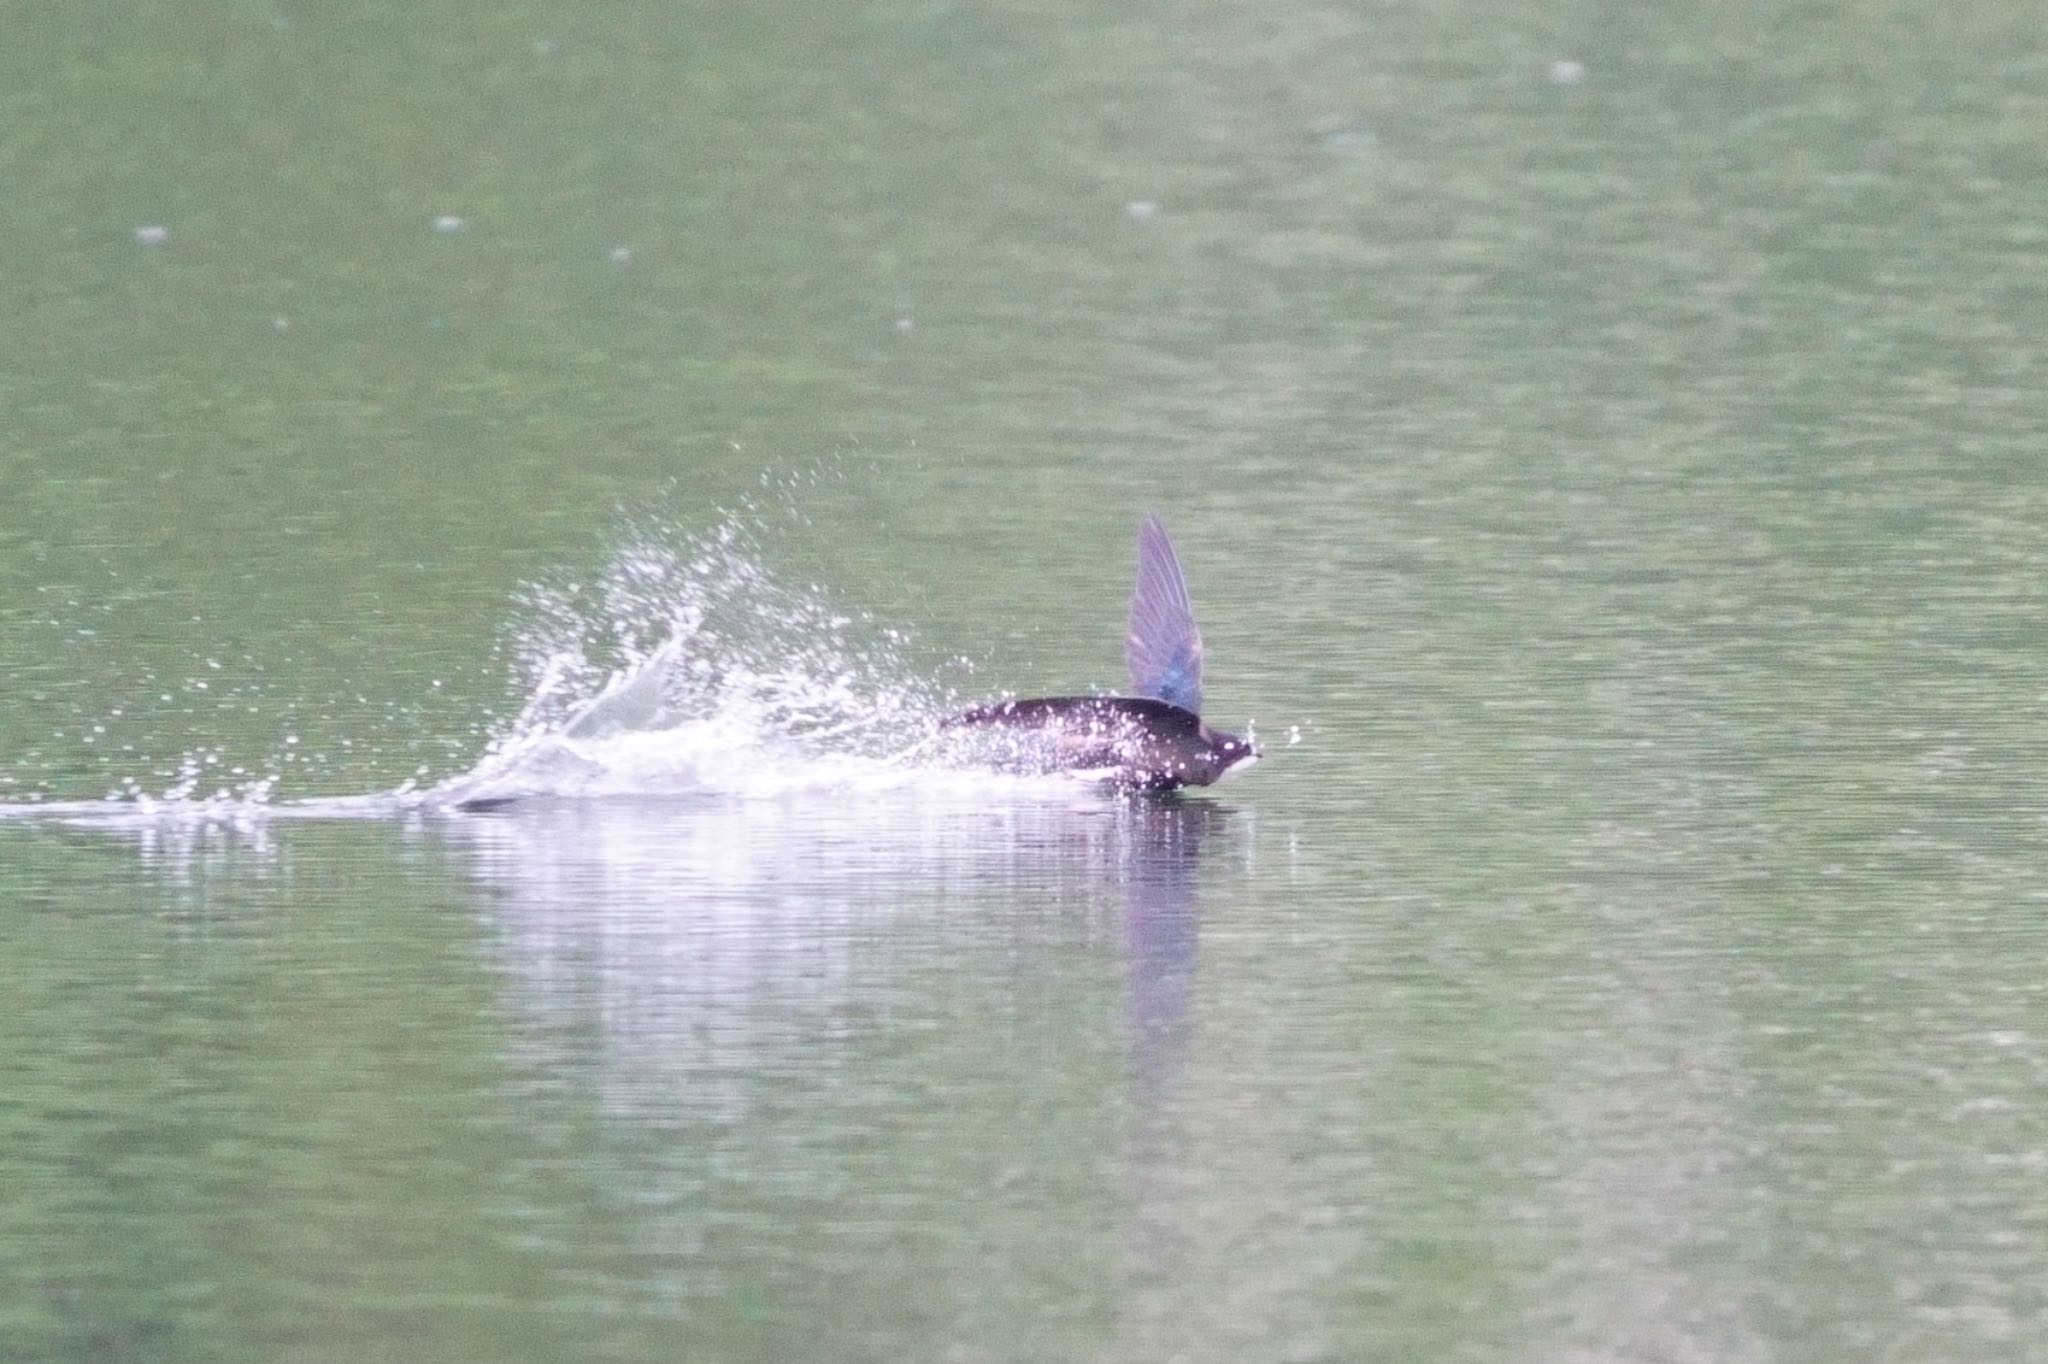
x,y
1349,140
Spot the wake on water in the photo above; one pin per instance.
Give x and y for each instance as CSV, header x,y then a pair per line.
x,y
683,670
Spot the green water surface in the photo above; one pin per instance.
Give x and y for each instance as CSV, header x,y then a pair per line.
x,y
1610,436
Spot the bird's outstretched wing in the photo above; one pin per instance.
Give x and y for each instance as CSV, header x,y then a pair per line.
x,y
1163,649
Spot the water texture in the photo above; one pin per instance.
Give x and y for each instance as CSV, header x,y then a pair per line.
x,y
1605,450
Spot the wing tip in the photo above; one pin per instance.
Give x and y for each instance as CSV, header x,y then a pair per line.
x,y
1162,643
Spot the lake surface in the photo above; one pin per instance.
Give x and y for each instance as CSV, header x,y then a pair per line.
x,y
1606,446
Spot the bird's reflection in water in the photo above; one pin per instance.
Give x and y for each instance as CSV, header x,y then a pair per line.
x,y
1162,929
685,956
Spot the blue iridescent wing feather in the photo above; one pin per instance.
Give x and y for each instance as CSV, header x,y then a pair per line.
x,y
1162,647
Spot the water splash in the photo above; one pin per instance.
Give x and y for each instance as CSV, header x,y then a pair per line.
x,y
686,668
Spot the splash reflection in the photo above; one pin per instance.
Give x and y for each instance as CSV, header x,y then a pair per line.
x,y
690,955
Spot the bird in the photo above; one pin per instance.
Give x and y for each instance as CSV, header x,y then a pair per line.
x,y
1152,739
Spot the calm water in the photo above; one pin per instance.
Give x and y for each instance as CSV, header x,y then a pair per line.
x,y
1609,441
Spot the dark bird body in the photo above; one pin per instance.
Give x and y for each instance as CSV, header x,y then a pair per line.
x,y
1153,739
